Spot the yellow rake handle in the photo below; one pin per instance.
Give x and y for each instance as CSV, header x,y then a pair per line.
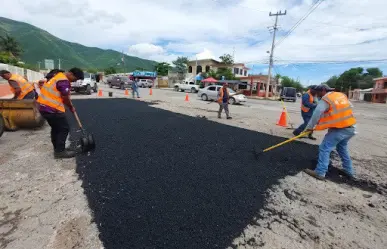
x,y
287,141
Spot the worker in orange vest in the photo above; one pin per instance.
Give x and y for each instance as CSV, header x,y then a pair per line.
x,y
308,104
333,112
20,87
223,97
54,95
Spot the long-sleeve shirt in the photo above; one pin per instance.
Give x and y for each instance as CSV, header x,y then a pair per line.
x,y
321,107
306,103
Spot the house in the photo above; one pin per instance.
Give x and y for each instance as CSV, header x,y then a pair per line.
x,y
379,92
256,85
359,94
196,67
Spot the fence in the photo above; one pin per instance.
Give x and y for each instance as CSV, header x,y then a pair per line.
x,y
31,75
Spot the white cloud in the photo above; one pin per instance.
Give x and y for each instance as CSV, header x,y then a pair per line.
x,y
162,30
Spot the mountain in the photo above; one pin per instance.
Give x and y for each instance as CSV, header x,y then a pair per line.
x,y
38,45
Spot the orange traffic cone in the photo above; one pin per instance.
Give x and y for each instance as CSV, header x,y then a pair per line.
x,y
186,97
150,91
100,93
126,92
283,119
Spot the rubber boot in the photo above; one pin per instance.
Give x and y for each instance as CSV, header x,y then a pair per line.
x,y
64,154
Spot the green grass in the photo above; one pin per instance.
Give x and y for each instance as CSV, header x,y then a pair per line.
x,y
38,45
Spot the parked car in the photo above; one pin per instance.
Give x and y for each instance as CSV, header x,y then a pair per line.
x,y
211,93
191,86
121,82
145,83
288,93
87,85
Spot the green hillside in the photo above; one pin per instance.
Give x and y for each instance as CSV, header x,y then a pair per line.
x,y
38,45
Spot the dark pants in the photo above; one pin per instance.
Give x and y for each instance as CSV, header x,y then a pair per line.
x,y
302,127
59,129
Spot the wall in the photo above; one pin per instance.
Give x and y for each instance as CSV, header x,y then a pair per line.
x,y
32,76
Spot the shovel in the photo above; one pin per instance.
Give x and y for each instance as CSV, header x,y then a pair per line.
x,y
257,152
87,140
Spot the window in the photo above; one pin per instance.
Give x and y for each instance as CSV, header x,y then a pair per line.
x,y
241,72
385,85
218,88
191,83
212,88
207,69
190,69
199,69
236,70
245,73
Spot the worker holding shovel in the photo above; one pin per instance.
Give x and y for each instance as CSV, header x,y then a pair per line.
x,y
333,112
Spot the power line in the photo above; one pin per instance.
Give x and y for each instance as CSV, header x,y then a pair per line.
x,y
312,8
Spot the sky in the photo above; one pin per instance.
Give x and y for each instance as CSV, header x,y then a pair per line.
x,y
337,35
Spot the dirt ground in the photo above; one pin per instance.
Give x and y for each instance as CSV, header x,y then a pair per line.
x,y
42,204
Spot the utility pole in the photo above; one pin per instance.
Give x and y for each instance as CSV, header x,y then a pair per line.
x,y
59,64
39,65
272,50
233,59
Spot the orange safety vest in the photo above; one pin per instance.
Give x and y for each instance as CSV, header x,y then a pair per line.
x,y
339,114
24,85
220,99
311,100
50,96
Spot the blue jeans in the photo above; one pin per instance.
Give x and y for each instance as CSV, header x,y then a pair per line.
x,y
135,90
301,128
335,138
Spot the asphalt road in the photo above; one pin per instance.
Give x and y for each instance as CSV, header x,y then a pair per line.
x,y
164,180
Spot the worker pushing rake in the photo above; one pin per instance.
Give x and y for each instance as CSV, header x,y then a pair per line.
x,y
334,113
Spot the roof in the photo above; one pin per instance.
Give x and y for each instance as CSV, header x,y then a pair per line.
x,y
381,78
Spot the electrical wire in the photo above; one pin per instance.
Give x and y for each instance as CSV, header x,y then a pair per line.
x,y
312,8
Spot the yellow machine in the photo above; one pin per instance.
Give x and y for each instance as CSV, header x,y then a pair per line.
x,y
18,114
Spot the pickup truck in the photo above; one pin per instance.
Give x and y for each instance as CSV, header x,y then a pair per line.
x,y
191,86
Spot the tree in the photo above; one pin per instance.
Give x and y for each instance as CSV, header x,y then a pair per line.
x,y
227,59
374,72
355,78
332,81
226,72
162,68
181,66
289,82
110,70
9,45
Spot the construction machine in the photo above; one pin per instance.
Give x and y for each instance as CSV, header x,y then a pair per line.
x,y
17,114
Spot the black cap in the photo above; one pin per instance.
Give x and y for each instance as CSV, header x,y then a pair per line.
x,y
78,73
323,87
2,72
312,87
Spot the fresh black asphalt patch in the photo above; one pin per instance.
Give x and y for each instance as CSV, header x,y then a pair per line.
x,y
159,179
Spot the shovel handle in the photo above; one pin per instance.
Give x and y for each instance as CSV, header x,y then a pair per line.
x,y
78,120
287,141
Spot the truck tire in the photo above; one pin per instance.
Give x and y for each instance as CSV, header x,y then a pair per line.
x,y
231,101
122,86
95,88
193,90
1,125
176,88
88,90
